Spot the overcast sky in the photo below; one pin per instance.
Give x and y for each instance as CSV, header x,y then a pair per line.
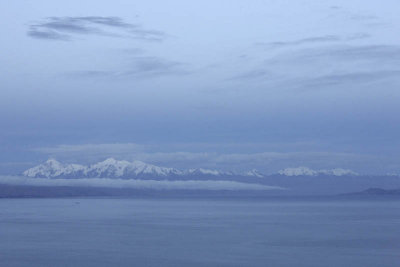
x,y
217,84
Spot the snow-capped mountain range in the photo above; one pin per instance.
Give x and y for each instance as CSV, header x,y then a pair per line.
x,y
304,171
111,168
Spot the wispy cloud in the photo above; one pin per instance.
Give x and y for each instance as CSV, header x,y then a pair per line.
x,y
339,64
353,78
109,149
318,39
314,40
139,67
384,53
137,184
251,75
366,19
154,66
363,17
67,28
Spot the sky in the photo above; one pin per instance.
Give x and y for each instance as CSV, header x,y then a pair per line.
x,y
229,85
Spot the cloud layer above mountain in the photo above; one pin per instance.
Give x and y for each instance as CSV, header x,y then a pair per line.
x,y
250,158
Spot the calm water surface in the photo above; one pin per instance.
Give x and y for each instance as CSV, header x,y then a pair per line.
x,y
165,232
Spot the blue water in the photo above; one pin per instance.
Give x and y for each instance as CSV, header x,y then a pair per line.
x,y
166,232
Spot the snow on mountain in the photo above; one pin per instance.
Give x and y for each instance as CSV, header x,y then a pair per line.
x,y
108,168
53,168
125,169
297,171
254,173
111,168
338,172
203,171
304,171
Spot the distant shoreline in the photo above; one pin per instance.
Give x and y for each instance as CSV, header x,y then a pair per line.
x,y
8,191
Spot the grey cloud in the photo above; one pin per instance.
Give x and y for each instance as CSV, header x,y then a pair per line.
x,y
154,66
282,158
65,28
371,52
315,40
95,148
363,17
250,75
350,14
133,51
90,152
91,74
355,77
358,36
326,65
318,39
34,32
375,55
139,67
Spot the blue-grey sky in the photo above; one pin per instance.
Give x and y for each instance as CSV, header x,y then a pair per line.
x,y
218,84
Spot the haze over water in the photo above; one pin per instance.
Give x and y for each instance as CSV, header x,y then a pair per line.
x,y
202,232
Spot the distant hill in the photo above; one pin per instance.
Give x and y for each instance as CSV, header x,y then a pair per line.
x,y
376,192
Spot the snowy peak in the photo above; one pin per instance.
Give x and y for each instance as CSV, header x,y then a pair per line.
x,y
254,173
338,172
52,162
108,167
298,171
53,168
304,171
203,171
112,168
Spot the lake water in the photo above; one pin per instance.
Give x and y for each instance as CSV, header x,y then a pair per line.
x,y
199,232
